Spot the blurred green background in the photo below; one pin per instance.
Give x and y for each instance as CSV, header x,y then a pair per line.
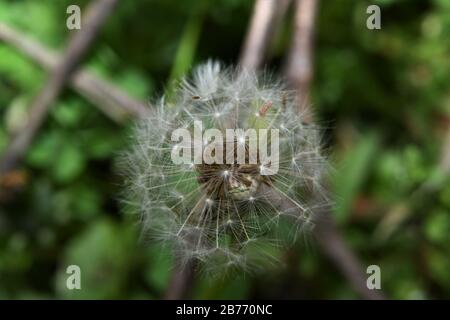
x,y
383,98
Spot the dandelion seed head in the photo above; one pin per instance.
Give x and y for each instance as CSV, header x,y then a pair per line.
x,y
224,214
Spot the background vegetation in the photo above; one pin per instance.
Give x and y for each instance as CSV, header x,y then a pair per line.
x,y
382,96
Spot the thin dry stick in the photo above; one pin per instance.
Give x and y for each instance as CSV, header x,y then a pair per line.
x,y
299,68
78,45
111,100
299,72
266,17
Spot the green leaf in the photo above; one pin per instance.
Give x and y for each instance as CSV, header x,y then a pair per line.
x,y
160,268
19,70
100,143
104,253
69,164
135,83
87,201
352,175
44,151
437,226
68,113
187,47
60,155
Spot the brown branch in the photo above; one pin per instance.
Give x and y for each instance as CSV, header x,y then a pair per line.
x,y
267,15
299,68
110,99
78,45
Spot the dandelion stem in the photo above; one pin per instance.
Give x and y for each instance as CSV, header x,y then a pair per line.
x,y
181,281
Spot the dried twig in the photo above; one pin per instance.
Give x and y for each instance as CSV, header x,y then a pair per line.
x,y
266,17
77,47
299,68
110,99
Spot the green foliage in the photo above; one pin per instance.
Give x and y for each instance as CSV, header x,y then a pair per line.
x,y
187,47
159,270
18,70
106,276
351,175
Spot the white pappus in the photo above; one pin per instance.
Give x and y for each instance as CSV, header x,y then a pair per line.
x,y
224,214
